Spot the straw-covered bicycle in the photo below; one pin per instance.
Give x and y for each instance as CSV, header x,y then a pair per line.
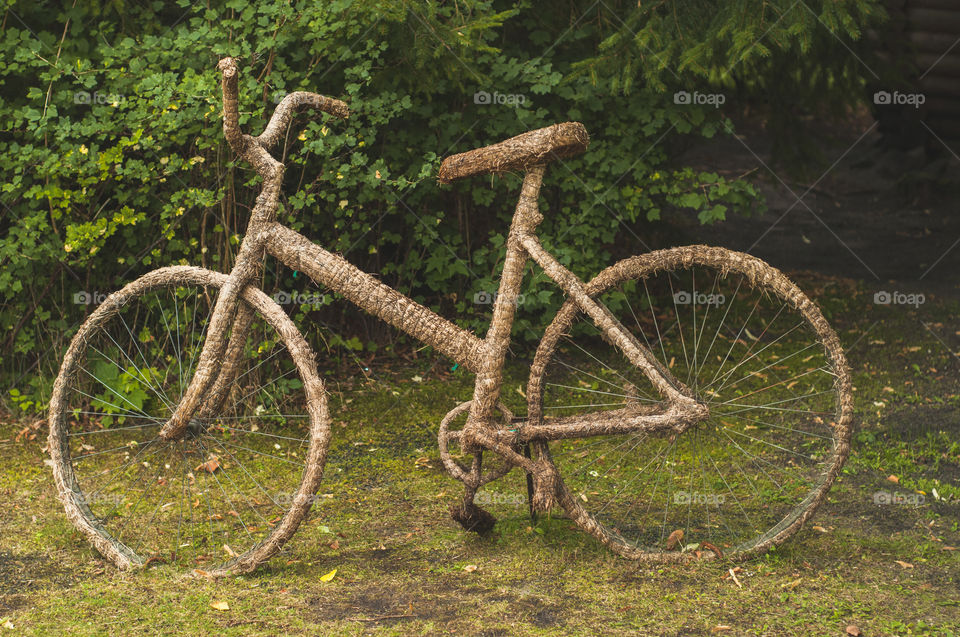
x,y
685,402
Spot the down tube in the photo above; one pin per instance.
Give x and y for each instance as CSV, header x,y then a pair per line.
x,y
365,291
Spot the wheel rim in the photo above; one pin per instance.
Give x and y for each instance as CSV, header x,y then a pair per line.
x,y
232,490
771,371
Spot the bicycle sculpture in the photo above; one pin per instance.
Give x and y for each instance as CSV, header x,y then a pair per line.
x,y
685,402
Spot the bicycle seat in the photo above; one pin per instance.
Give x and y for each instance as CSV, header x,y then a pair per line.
x,y
523,151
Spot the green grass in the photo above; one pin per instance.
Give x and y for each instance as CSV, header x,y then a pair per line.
x,y
401,561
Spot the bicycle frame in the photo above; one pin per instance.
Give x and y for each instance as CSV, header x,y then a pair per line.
x,y
485,357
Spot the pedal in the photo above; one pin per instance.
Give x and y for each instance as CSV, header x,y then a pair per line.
x,y
473,518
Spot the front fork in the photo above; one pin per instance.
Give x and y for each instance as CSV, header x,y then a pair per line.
x,y
210,385
218,393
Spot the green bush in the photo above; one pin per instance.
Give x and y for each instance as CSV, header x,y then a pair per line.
x,y
114,162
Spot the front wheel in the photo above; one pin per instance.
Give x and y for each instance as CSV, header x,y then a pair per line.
x,y
235,487
755,350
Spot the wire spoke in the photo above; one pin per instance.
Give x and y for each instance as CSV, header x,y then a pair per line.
x,y
268,455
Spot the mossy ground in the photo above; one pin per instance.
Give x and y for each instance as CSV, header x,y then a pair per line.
x,y
402,563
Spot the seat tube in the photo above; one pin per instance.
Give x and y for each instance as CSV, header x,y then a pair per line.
x,y
490,376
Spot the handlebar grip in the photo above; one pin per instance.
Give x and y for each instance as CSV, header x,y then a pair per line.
x,y
293,102
319,102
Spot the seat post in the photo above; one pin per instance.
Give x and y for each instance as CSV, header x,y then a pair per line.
x,y
527,216
497,342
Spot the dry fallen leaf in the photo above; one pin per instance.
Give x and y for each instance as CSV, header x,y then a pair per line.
x,y
219,606
712,547
470,568
893,479
329,576
675,538
335,544
904,564
819,528
792,584
209,466
720,627
853,631
229,551
733,575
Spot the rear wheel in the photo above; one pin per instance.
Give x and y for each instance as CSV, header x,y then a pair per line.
x,y
234,489
755,350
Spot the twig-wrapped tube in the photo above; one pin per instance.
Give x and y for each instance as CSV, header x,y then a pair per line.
x,y
517,153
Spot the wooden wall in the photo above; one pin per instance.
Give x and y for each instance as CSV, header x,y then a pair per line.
x,y
922,39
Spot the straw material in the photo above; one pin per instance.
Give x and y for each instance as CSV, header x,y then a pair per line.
x,y
517,153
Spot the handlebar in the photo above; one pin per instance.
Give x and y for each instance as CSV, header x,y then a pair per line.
x,y
282,115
